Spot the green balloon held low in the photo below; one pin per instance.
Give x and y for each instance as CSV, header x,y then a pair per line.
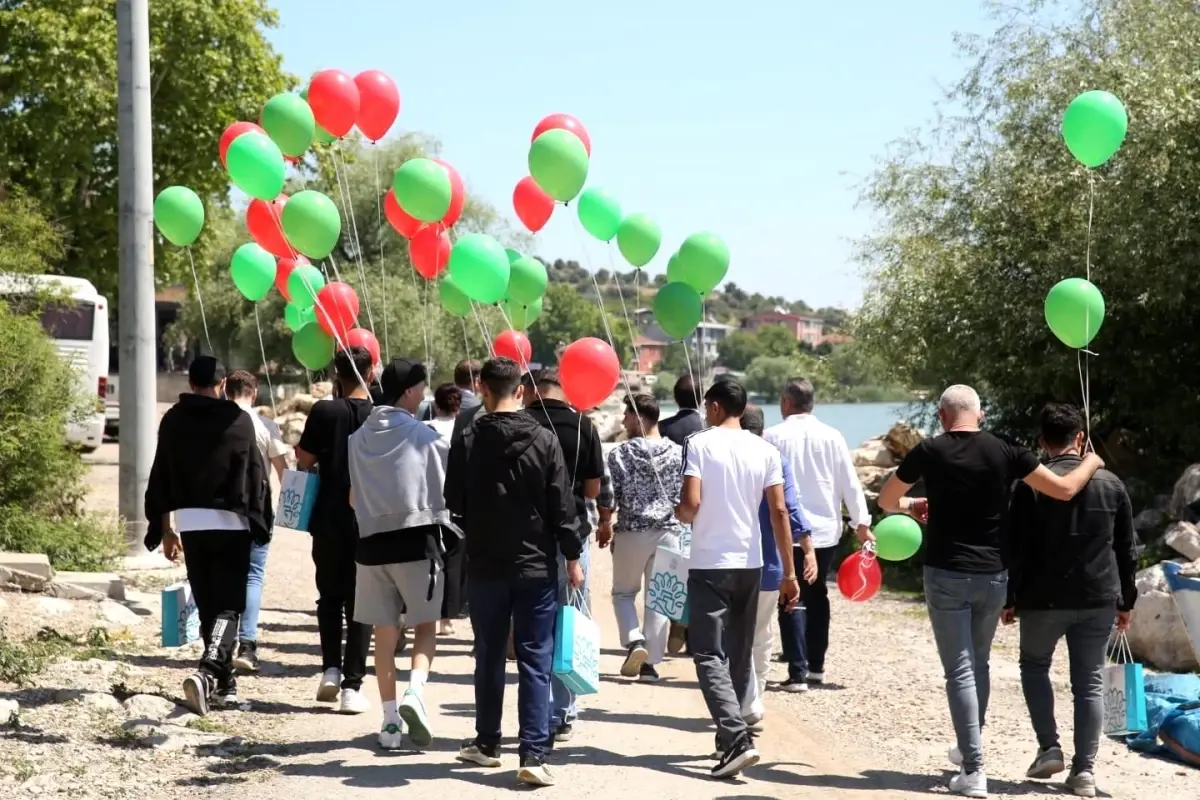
x,y
312,346
599,213
703,261
179,215
527,280
303,285
678,309
296,317
479,266
256,165
897,538
638,239
1075,312
311,223
453,299
1094,127
289,122
422,188
521,316
558,162
253,271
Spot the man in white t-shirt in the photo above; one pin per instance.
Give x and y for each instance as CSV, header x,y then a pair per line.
x,y
726,474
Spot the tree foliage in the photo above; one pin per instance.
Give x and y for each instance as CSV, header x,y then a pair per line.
x,y
986,211
568,316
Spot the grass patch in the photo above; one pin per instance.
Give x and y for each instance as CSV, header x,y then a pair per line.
x,y
207,725
22,661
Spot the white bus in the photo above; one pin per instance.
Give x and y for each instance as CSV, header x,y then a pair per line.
x,y
77,322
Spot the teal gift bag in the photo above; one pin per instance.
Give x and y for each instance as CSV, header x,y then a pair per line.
x,y
577,647
297,496
180,619
1124,690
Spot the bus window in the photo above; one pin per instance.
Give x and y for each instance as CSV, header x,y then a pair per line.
x,y
69,322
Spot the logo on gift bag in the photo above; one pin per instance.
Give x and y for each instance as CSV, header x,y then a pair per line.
x,y
668,594
291,502
1114,709
189,620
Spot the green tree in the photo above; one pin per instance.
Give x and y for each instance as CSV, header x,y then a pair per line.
x,y
567,316
777,340
211,64
738,349
767,375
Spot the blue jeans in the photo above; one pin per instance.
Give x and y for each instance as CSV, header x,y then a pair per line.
x,y
964,609
531,607
564,710
791,635
248,632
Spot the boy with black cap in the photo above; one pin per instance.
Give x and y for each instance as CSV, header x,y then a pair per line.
x,y
208,471
397,471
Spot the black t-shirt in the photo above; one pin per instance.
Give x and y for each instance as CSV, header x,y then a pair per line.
x,y
969,477
326,433
399,547
582,450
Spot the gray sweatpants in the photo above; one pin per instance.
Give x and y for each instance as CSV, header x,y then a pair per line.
x,y
722,607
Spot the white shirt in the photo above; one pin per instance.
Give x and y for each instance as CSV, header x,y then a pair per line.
x,y
824,473
445,427
735,467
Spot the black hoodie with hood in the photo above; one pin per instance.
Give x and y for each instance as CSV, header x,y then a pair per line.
x,y
508,481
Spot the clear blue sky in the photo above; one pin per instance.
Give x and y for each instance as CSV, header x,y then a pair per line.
x,y
753,120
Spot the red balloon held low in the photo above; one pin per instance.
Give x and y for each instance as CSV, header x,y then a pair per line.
x,y
265,221
533,206
429,251
567,123
458,194
378,103
589,370
333,97
283,271
232,132
360,337
337,309
859,577
404,224
515,345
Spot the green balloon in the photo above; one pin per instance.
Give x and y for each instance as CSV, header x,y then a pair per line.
x,y
526,280
513,255
638,239
422,188
703,261
256,165
289,122
179,215
453,299
253,271
321,135
678,309
303,285
296,317
600,213
673,275
480,267
1075,311
312,346
311,223
558,162
522,316
897,538
1094,127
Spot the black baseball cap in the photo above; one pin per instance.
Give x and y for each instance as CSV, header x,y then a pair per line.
x,y
205,372
400,376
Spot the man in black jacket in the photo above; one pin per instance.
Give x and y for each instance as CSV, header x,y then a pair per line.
x,y
687,420
1071,574
508,481
209,472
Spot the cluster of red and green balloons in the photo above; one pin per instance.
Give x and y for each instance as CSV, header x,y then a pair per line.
x,y
1094,128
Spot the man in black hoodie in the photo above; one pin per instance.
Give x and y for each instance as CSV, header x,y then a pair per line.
x,y
508,480
209,472
1071,574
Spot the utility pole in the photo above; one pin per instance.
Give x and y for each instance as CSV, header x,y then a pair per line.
x,y
136,330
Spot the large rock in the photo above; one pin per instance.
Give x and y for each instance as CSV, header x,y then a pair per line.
x,y
36,563
1187,492
1156,632
608,425
873,453
149,706
873,478
901,439
291,427
118,616
150,733
23,581
1184,538
322,389
1149,520
302,403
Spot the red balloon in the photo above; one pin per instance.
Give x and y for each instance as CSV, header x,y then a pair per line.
x,y
337,309
405,225
589,370
232,132
532,205
266,226
333,97
515,345
567,123
363,338
283,271
379,103
860,577
458,195
429,251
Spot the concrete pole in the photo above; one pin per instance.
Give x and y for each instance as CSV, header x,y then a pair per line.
x,y
137,329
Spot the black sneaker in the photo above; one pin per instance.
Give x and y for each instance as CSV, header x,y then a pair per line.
x,y
648,674
737,758
197,689
226,693
534,772
635,657
794,686
246,659
474,753
564,732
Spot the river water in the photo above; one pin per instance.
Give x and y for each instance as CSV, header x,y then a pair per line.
x,y
857,421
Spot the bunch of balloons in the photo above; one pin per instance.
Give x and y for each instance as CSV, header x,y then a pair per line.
x,y
701,263
559,156
426,200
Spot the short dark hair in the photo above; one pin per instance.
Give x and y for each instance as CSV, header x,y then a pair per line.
x,y
447,398
352,365
240,384
501,375
644,405
1060,422
800,391
685,392
729,395
753,420
465,372
205,372
548,376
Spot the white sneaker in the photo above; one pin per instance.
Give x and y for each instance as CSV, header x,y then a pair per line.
x,y
973,785
354,702
412,711
331,684
391,734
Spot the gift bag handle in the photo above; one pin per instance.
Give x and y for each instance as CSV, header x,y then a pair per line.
x,y
578,600
1118,650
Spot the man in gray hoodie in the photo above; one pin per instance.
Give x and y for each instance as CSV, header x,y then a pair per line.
x,y
397,471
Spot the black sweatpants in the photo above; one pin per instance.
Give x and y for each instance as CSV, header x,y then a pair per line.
x,y
218,564
333,556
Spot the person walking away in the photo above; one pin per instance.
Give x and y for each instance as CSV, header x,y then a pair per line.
x,y
508,481
447,402
768,597
208,470
687,420
823,468
969,474
726,473
584,457
466,380
646,480
397,470
1071,575
334,529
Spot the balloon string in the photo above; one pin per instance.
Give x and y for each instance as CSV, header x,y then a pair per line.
x,y
348,203
487,336
262,348
688,360
633,336
424,314
466,344
1082,363
340,344
387,346
200,300
863,583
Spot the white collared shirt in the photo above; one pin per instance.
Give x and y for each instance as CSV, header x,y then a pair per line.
x,y
824,472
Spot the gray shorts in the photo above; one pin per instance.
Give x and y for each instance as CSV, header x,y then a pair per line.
x,y
384,592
